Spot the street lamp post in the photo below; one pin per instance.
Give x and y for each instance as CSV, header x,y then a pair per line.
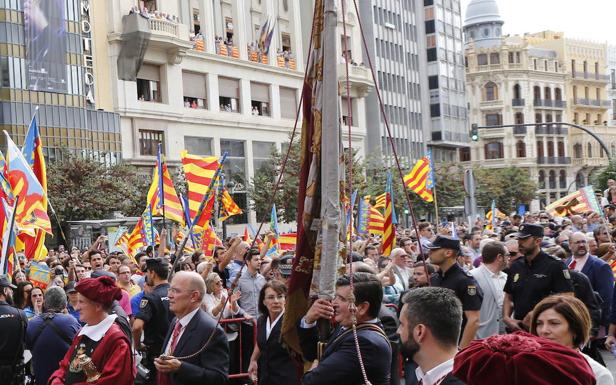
x,y
406,217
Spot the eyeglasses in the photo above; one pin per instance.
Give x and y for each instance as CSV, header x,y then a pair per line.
x,y
279,297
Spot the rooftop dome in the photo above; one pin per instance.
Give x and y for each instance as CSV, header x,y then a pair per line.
x,y
482,11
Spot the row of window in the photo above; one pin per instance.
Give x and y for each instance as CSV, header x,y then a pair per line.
x,y
562,179
495,119
490,92
13,74
494,149
195,93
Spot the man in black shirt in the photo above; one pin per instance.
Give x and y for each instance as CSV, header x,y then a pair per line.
x,y
532,278
13,323
154,317
443,253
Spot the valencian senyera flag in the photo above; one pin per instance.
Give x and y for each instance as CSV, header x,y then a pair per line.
x,y
579,202
417,180
320,208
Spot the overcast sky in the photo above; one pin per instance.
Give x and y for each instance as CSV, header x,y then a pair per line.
x,y
584,19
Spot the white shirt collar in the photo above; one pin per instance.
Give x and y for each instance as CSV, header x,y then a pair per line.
x,y
435,374
269,326
187,318
96,332
490,273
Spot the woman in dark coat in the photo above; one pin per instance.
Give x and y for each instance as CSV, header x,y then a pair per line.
x,y
270,361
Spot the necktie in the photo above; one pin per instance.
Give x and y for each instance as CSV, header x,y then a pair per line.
x,y
162,378
572,265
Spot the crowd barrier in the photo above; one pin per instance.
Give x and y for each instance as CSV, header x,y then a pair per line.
x,y
225,324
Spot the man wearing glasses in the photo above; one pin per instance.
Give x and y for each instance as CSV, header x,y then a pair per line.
x,y
491,279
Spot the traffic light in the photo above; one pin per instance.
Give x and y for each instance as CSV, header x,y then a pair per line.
x,y
474,133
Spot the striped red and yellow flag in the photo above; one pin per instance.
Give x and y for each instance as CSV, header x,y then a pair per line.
x,y
388,228
287,241
376,221
199,172
210,241
136,239
417,179
230,208
380,201
173,206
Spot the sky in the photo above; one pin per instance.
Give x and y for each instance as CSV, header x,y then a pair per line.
x,y
582,19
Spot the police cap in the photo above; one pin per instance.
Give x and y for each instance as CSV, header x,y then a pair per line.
x,y
529,230
443,242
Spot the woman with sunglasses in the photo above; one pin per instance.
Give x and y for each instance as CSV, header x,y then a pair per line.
x,y
35,306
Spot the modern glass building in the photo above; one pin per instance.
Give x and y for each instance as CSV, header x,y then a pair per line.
x,y
46,61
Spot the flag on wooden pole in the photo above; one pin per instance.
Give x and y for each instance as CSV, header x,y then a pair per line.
x,y
199,172
388,228
376,221
162,197
578,202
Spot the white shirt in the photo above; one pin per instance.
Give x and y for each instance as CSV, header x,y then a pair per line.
x,y
269,326
579,263
96,332
436,374
602,374
491,311
183,321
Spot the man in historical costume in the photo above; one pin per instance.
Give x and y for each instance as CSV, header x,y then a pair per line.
x,y
101,352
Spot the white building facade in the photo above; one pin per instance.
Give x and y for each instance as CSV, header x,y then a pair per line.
x,y
611,88
204,87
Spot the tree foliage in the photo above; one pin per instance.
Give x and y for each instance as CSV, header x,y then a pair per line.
x,y
508,186
83,188
599,181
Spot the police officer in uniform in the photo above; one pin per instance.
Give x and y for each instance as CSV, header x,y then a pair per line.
x,y
444,253
153,318
13,323
532,278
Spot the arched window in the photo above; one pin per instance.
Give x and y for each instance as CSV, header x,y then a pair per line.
x,y
494,150
550,148
491,91
577,150
541,179
562,179
540,153
517,92
520,149
547,93
552,179
558,95
518,118
589,151
580,180
537,92
561,148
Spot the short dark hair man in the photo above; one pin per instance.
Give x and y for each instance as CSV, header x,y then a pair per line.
x,y
339,363
429,330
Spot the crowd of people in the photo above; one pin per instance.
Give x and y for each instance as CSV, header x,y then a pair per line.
x,y
454,303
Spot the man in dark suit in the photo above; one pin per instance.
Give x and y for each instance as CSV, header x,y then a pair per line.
x,y
429,329
599,272
188,334
339,364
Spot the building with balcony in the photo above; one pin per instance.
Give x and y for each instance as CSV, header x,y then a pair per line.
x,y
585,63
205,86
396,47
611,87
509,82
56,73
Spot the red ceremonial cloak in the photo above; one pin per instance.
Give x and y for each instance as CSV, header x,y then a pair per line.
x,y
112,357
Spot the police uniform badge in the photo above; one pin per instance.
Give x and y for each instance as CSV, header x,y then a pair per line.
x,y
567,274
516,277
471,289
143,303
